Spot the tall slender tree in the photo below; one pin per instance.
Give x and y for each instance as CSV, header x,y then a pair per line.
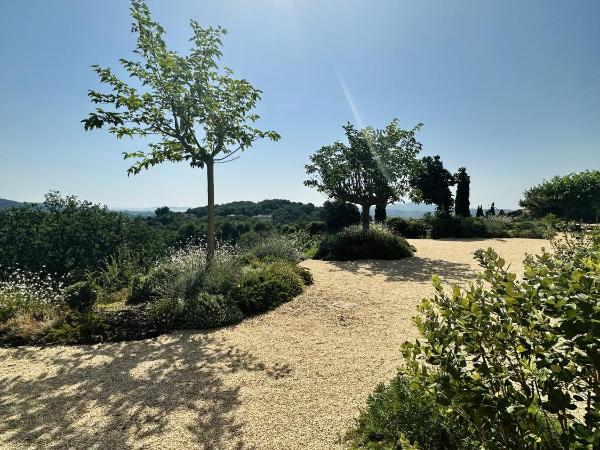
x,y
187,106
461,202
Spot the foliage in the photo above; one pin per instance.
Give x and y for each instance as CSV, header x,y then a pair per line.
x,y
574,197
404,410
81,296
461,203
266,286
373,169
316,227
176,96
380,213
339,215
408,228
208,311
479,211
519,360
488,227
431,183
281,211
69,237
25,293
276,247
354,243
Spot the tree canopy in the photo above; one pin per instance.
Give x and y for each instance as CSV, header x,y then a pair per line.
x,y
372,169
431,184
575,196
189,109
461,203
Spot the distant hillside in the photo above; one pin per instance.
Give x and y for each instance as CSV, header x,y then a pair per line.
x,y
281,211
4,203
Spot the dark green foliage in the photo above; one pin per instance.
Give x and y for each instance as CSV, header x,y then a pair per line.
x,y
491,211
431,184
408,228
267,286
574,197
81,296
402,408
461,203
380,213
158,283
339,215
356,243
316,227
281,211
78,327
488,227
208,311
479,211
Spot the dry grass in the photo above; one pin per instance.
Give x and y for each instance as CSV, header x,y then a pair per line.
x,y
291,379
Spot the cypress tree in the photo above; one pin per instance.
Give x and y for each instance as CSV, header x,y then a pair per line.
x,y
461,203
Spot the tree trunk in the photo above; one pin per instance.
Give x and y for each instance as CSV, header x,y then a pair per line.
x,y
380,213
364,216
210,227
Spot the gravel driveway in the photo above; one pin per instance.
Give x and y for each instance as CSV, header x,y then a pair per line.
x,y
294,378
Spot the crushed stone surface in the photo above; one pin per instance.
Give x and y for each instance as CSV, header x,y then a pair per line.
x,y
294,378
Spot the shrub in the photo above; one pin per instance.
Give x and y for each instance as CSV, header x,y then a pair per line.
x,y
316,227
25,293
410,229
158,283
403,409
518,359
276,247
81,296
77,327
339,215
29,328
136,322
209,311
264,287
354,243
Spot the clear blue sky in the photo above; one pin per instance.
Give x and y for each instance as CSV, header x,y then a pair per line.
x,y
509,89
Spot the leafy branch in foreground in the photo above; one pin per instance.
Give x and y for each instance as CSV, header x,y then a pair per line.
x,y
518,360
189,109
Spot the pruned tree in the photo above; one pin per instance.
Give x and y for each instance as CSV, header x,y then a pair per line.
x,y
461,203
188,107
431,184
373,169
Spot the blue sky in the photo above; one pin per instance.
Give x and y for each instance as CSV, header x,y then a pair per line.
x,y
509,89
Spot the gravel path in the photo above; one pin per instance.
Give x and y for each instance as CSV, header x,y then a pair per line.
x,y
291,379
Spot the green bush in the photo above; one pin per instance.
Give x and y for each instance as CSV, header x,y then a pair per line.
x,y
78,327
209,311
519,359
403,409
81,296
354,243
276,247
339,215
316,227
264,287
160,282
408,228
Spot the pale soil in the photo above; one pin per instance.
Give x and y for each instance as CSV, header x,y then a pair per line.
x,y
294,378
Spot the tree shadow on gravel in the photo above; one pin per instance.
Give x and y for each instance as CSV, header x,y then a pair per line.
x,y
125,395
409,269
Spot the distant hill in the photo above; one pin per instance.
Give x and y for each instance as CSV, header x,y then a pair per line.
x,y
4,203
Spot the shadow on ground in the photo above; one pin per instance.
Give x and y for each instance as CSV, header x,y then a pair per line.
x,y
416,269
118,396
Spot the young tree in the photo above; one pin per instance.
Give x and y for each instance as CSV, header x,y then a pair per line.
x,y
373,169
431,184
461,203
491,211
190,109
479,211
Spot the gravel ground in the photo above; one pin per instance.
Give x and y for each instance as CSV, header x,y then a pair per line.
x,y
294,378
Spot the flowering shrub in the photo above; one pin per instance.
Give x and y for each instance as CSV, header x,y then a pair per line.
x,y
29,293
